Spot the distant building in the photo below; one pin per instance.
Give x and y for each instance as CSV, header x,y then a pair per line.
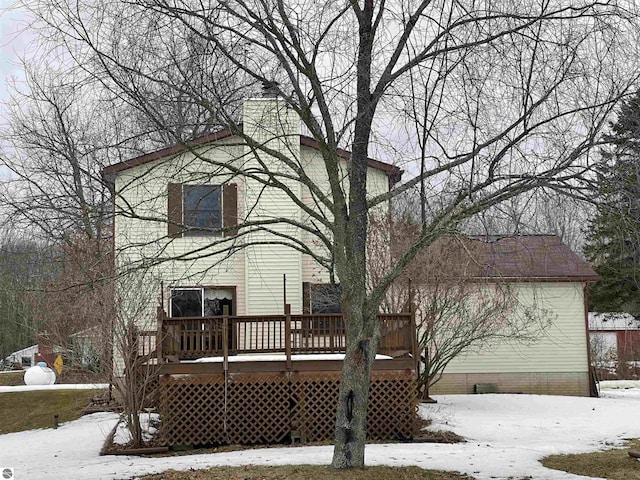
x,y
614,335
26,356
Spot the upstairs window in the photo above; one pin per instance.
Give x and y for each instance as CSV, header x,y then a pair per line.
x,y
202,206
202,210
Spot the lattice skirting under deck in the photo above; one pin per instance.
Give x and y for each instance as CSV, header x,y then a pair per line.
x,y
266,408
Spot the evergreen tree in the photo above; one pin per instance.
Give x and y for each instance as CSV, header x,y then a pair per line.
x,y
22,265
613,243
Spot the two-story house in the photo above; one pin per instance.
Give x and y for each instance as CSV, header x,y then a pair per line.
x,y
178,211
230,232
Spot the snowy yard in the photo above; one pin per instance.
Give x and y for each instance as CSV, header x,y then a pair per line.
x,y
507,435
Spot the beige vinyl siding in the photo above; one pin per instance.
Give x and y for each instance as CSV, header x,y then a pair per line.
x,y
315,169
256,271
267,260
377,184
541,383
142,237
562,348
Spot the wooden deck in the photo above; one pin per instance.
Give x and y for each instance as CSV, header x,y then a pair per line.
x,y
191,338
237,397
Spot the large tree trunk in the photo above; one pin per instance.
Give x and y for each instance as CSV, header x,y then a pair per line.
x,y
351,414
362,327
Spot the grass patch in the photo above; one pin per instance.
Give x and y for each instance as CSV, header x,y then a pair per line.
x,y
29,410
305,472
11,379
613,464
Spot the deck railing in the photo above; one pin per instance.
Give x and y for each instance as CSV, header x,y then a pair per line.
x,y
198,337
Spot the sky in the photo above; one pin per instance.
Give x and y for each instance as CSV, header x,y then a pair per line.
x,y
506,436
14,39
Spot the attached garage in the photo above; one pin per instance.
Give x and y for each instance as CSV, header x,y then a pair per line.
x,y
538,269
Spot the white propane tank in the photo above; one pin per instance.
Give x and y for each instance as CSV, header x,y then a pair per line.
x,y
39,374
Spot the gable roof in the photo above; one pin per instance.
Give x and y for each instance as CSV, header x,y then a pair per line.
x,y
530,256
393,173
521,258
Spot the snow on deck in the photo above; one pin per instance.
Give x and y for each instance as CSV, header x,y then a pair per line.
x,y
278,357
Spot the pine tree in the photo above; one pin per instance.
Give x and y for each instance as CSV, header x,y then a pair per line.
x,y
614,233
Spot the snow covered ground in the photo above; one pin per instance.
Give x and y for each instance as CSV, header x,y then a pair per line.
x,y
55,386
507,435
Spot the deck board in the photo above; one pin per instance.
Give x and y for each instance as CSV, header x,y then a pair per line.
x,y
278,366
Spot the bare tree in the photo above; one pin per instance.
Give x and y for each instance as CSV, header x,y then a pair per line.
x,y
480,102
135,372
540,212
76,303
63,125
22,269
53,151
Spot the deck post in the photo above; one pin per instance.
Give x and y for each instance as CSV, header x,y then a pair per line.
x,y
284,289
333,332
225,337
414,342
287,334
160,334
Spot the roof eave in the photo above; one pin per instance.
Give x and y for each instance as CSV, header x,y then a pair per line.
x,y
554,279
393,173
166,152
